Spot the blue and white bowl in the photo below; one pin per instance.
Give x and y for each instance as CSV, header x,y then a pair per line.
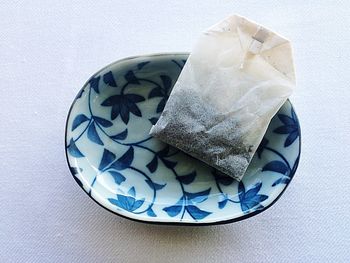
x,y
116,162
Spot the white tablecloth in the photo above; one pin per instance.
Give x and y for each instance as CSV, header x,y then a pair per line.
x,y
48,49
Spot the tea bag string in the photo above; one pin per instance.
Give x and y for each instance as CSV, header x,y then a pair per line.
x,y
256,44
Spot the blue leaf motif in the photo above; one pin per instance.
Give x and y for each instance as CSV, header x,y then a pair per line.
x,y
152,165
264,142
188,178
79,119
142,64
132,191
154,185
94,83
138,203
179,64
116,111
128,203
290,127
131,78
259,207
93,135
80,94
286,119
282,180
175,209
151,213
250,199
75,170
222,203
78,181
105,123
241,190
107,158
73,149
198,197
284,129
196,213
108,78
253,191
120,136
118,177
156,92
123,105
134,98
247,206
222,178
166,82
121,201
161,105
291,138
124,114
153,120
110,101
276,166
169,164
114,101
294,116
132,107
164,152
125,160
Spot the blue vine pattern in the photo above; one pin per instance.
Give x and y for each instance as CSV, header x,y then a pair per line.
x,y
125,105
291,127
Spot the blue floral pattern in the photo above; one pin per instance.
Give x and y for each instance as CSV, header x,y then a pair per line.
x,y
127,202
120,166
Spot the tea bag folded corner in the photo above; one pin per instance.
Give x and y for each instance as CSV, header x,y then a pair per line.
x,y
237,76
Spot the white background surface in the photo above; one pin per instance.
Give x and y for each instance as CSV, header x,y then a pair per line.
x,y
48,49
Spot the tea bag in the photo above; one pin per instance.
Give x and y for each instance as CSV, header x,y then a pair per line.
x,y
236,78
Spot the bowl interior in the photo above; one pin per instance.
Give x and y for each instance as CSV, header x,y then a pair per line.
x,y
113,158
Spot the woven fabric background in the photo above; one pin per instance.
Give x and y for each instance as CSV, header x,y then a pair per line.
x,y
48,49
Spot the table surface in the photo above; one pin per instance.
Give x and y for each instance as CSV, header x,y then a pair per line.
x,y
48,49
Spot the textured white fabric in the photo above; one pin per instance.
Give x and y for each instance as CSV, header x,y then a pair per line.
x,y
48,49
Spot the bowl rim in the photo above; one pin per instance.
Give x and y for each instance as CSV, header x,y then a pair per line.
x,y
195,223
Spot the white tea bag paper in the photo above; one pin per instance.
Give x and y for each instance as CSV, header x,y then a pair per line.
x,y
236,78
